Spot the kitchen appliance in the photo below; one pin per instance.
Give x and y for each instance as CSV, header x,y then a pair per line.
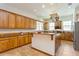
x,y
76,36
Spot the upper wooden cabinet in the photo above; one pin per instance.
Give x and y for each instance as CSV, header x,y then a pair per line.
x,y
23,22
27,23
31,23
34,24
3,19
15,21
11,20
18,21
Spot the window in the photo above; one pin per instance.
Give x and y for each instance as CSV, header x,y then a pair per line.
x,y
51,26
67,25
39,26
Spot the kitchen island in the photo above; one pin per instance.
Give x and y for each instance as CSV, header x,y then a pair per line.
x,y
46,42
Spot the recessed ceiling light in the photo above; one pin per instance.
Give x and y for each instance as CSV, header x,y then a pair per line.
x,y
43,6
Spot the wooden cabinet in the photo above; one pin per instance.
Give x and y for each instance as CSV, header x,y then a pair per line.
x,y
4,44
26,39
27,23
3,19
23,22
30,37
45,25
21,40
31,24
13,42
18,21
10,42
34,24
15,21
12,20
66,36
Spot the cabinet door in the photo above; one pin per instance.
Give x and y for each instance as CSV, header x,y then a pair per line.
x,y
4,44
26,39
27,23
30,37
23,22
21,40
18,21
31,24
3,19
11,20
34,24
13,42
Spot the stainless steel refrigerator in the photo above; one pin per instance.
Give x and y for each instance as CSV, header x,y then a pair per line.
x,y
76,36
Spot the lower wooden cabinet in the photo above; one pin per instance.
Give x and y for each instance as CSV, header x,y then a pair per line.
x,y
13,42
21,40
30,37
4,44
26,39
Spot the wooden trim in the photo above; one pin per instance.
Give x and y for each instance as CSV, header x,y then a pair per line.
x,y
42,51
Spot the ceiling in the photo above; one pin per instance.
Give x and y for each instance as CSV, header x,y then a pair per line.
x,y
43,10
